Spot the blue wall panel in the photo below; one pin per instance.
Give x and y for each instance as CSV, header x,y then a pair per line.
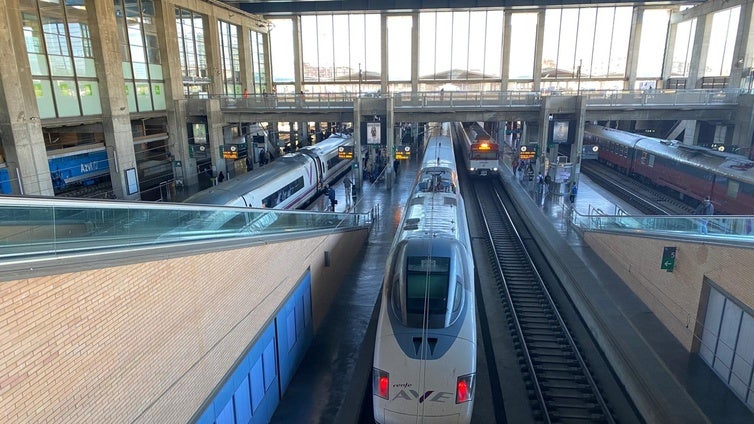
x,y
293,343
253,391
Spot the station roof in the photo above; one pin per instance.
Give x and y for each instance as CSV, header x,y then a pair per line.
x,y
288,7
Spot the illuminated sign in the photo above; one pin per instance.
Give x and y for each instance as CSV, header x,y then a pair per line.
x,y
230,152
345,152
484,147
527,151
403,153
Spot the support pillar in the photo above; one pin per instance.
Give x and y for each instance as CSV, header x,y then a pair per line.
x,y
20,125
390,132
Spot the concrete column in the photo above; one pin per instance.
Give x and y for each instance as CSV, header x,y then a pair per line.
x,y
390,132
215,125
543,125
634,41
116,120
699,50
383,53
537,76
415,52
669,46
357,141
298,59
691,134
176,109
20,126
743,61
577,146
212,49
505,58
244,57
744,124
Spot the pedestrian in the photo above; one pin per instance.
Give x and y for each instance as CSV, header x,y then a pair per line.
x,y
706,208
220,177
574,191
348,184
211,175
514,165
548,180
245,93
396,165
540,183
331,196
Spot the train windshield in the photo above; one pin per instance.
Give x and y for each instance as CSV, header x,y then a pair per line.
x,y
427,281
482,151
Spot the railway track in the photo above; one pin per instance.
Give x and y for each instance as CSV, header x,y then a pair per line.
x,y
646,199
561,387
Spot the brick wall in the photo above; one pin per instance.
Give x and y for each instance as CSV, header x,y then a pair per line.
x,y
149,341
675,297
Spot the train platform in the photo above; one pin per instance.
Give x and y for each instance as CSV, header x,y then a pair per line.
x,y
686,389
332,379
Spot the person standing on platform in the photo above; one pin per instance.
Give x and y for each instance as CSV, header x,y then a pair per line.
x,y
540,183
348,184
331,196
574,191
706,208
220,177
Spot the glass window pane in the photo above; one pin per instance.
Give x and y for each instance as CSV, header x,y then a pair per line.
x,y
357,45
585,41
602,39
567,43
309,48
550,43
372,31
523,39
326,46
281,45
444,39
721,40
619,47
682,50
493,45
342,57
143,97
66,98
399,48
89,95
427,45
654,31
45,102
460,42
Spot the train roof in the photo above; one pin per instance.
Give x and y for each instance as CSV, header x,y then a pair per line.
x,y
230,190
722,163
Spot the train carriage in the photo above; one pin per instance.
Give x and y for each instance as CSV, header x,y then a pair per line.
x,y
691,172
289,182
425,350
481,153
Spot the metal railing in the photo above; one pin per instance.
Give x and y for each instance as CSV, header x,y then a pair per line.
x,y
473,99
728,229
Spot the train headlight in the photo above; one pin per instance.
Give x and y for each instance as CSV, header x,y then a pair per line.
x,y
465,388
380,383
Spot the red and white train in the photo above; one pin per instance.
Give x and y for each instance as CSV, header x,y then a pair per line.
x,y
481,152
688,171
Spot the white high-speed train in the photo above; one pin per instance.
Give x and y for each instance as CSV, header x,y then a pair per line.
x,y
425,350
289,182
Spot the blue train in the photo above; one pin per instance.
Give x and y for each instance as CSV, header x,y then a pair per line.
x,y
78,167
83,166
